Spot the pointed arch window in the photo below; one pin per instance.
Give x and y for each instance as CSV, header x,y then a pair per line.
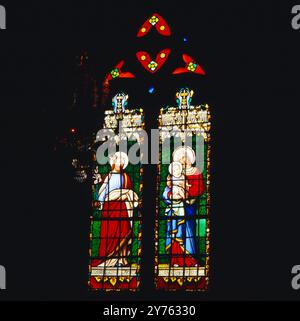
x,y
115,250
182,228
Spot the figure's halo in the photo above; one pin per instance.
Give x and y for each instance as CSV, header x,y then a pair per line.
x,y
173,164
184,151
119,155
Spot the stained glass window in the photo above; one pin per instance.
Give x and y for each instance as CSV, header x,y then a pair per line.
x,y
183,198
115,250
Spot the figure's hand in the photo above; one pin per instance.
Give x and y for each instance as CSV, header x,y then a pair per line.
x,y
123,197
182,193
97,205
176,196
186,193
97,177
169,182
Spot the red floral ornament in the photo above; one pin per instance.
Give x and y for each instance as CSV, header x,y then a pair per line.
x,y
191,66
116,72
153,65
156,21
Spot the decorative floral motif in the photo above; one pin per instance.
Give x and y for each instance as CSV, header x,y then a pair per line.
x,y
115,73
152,65
153,20
192,66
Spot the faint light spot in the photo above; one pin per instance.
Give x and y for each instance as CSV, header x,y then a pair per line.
x,y
73,130
151,90
185,39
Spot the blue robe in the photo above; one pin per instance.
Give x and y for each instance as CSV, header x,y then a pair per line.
x,y
183,228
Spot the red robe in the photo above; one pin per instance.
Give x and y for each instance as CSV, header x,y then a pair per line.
x,y
196,180
115,230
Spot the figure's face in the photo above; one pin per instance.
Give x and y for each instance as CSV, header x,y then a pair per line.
x,y
118,164
185,161
176,170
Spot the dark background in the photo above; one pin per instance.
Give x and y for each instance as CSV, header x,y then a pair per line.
x,y
252,59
